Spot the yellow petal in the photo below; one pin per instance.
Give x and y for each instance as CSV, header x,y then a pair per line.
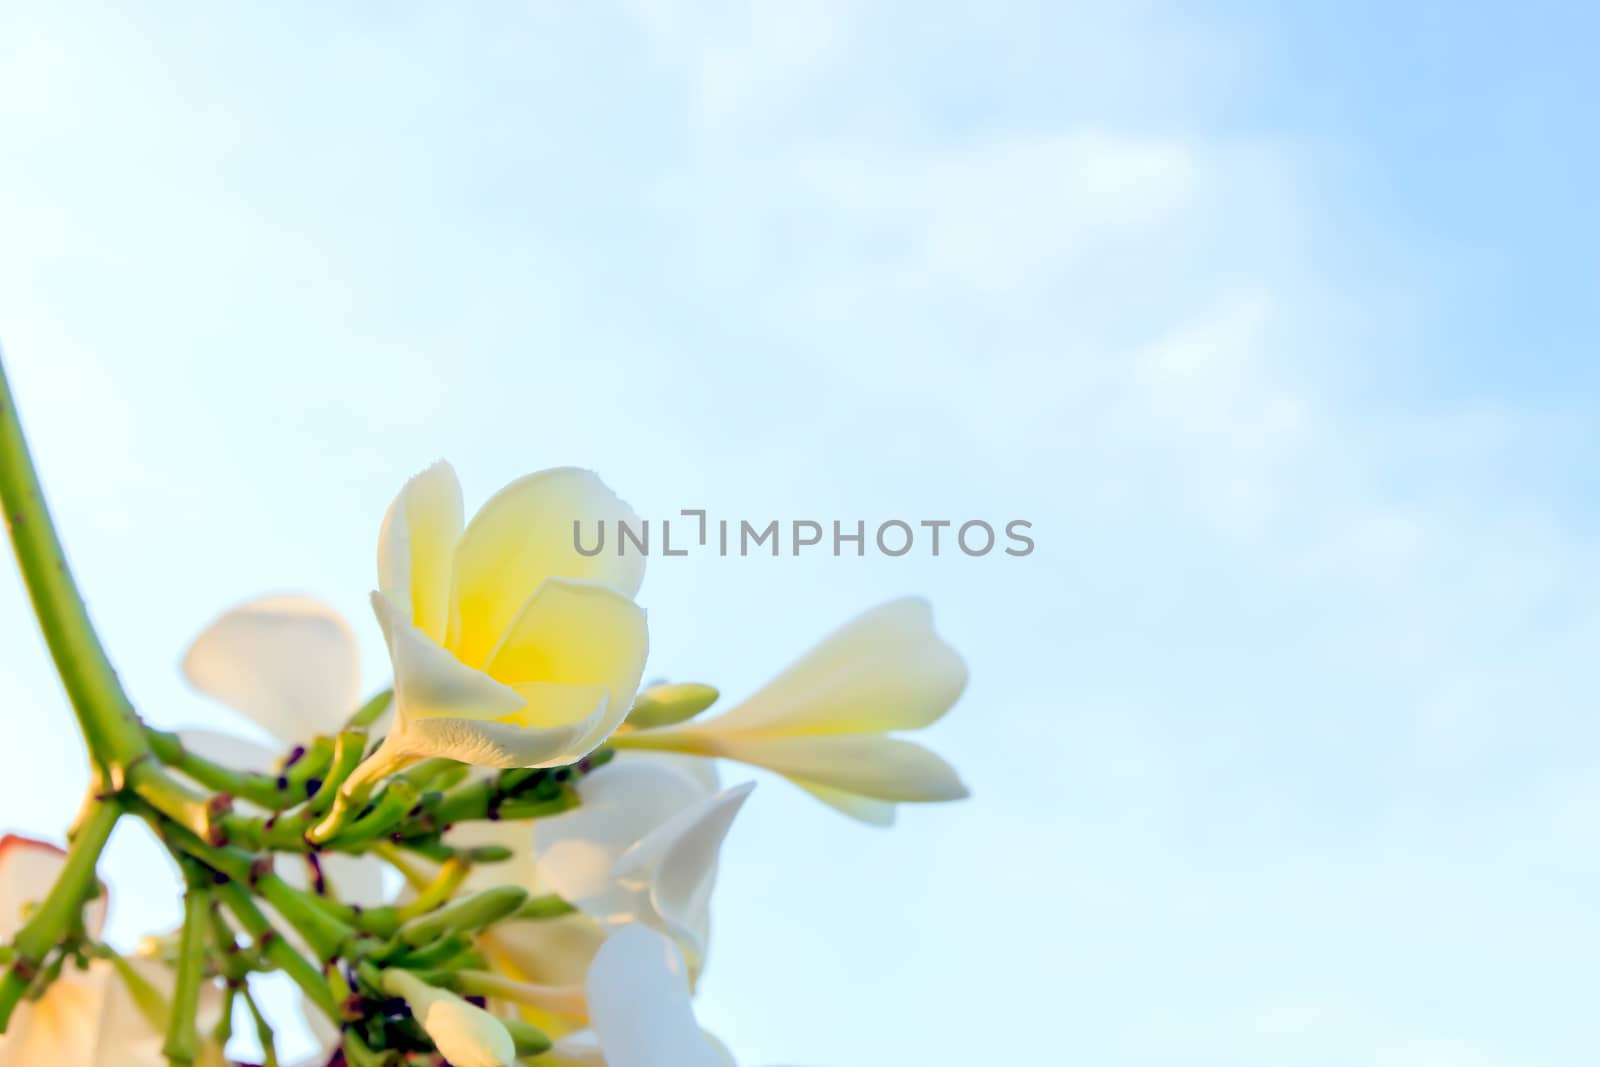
x,y
885,670
415,545
522,536
578,634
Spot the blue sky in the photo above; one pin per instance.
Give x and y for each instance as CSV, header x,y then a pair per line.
x,y
1277,323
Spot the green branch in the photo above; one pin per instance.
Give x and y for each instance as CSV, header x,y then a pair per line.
x,y
108,722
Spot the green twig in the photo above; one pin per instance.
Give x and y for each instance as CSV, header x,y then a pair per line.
x,y
182,1039
279,952
261,789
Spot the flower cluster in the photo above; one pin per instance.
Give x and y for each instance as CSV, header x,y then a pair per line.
x,y
555,827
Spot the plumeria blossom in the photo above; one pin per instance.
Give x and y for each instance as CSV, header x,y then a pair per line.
x,y
509,648
102,1016
641,848
823,723
640,1009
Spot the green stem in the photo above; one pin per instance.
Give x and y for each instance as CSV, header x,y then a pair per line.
x,y
182,1039
325,933
107,720
222,1033
62,909
392,804
257,788
278,951
444,885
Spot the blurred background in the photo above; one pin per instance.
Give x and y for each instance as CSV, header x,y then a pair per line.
x,y
1277,321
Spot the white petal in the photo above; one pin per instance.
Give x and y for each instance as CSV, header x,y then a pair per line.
x,y
702,770
416,544
523,535
428,681
502,744
622,803
519,870
290,663
884,670
62,1027
676,865
229,750
351,878
575,1050
125,1036
552,955
639,1004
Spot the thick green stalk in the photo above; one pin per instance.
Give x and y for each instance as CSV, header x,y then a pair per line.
x,y
60,911
108,722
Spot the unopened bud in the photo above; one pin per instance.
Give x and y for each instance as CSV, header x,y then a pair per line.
x,y
464,1034
667,705
529,1040
464,916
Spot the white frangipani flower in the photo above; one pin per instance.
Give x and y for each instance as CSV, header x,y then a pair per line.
x,y
509,647
823,722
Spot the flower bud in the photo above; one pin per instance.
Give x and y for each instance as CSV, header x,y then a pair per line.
x,y
667,705
464,1034
529,1040
471,913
